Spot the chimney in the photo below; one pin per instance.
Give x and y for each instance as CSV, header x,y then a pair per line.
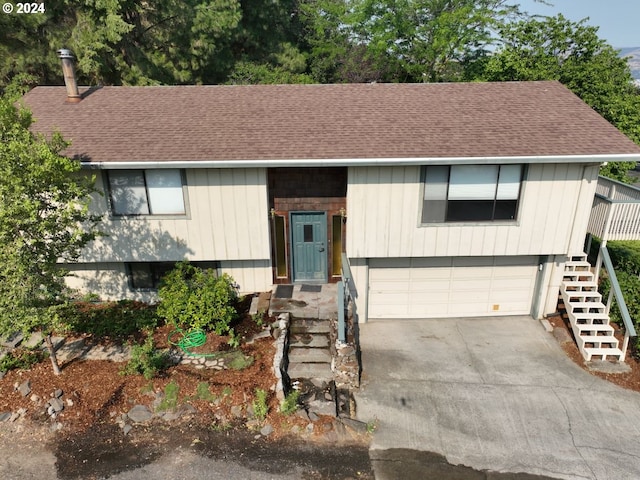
x,y
68,70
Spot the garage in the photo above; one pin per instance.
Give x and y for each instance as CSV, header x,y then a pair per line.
x,y
451,286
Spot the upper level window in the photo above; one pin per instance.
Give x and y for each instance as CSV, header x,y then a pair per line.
x,y
146,192
470,193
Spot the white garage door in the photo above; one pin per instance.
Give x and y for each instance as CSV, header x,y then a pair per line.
x,y
451,286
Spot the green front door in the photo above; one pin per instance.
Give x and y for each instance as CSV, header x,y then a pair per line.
x,y
309,246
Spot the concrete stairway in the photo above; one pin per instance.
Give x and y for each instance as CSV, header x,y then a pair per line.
x,y
587,314
309,367
309,350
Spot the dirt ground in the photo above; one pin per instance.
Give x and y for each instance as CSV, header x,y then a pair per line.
x,y
91,444
629,380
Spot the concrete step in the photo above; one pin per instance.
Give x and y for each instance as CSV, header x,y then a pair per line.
x,y
573,306
584,329
578,317
309,340
321,371
597,341
577,276
605,353
580,286
577,265
573,297
309,355
309,326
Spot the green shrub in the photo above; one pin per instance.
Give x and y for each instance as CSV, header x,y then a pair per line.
x,y
194,298
290,403
146,360
260,407
109,319
630,286
625,255
21,358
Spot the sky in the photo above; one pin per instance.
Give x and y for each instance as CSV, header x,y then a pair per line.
x,y
619,20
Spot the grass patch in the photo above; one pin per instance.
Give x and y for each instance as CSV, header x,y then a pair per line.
x,y
237,360
290,403
170,400
203,392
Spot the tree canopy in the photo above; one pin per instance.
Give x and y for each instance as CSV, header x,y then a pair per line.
x,y
44,220
555,48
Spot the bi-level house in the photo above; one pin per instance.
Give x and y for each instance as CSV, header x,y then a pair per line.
x,y
448,199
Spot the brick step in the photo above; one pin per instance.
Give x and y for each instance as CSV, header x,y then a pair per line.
x,y
589,352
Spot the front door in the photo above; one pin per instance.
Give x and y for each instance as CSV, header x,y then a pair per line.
x,y
309,246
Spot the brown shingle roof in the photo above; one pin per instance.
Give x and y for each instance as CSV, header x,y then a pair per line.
x,y
276,122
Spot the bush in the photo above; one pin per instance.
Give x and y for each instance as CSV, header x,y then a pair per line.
x,y
22,358
260,407
193,298
630,286
290,403
146,360
109,319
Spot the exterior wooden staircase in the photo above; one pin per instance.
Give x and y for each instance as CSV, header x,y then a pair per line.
x,y
587,314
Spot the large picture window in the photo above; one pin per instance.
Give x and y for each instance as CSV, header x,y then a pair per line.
x,y
146,192
470,193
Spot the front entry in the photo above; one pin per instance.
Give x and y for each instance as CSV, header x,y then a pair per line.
x,y
309,246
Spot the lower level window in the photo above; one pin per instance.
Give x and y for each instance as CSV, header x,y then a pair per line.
x,y
148,275
470,193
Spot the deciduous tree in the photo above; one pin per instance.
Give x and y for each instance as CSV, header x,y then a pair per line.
x,y
44,222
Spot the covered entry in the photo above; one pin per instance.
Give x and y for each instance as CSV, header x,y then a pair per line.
x,y
451,286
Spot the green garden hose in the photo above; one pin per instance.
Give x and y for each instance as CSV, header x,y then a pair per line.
x,y
190,340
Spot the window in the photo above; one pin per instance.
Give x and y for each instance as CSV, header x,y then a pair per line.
x,y
470,193
147,275
146,192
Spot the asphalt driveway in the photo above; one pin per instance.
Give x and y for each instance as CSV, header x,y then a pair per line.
x,y
495,394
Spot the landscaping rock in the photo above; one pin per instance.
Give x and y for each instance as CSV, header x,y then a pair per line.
x,y
2,374
56,404
35,399
25,388
355,425
140,414
5,416
236,411
58,393
126,429
266,430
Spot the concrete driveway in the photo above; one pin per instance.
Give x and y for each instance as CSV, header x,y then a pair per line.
x,y
495,394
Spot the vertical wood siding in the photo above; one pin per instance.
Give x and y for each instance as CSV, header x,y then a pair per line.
x,y
384,207
227,219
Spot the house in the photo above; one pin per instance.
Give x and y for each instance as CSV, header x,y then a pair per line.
x,y
448,199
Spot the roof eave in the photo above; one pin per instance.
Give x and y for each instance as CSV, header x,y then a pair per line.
x,y
361,162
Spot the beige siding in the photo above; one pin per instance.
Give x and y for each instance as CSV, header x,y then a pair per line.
x,y
250,275
107,280
227,219
384,207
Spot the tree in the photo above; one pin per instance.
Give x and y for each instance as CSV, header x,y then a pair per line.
x,y
44,221
399,40
555,48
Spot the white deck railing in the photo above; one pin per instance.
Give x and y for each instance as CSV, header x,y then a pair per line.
x,y
615,214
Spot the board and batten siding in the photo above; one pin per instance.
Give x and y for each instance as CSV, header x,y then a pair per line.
x,y
226,220
384,207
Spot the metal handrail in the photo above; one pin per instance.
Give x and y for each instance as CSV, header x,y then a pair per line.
x,y
629,328
344,294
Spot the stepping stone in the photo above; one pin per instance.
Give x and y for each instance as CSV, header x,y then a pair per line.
x,y
310,370
34,340
309,355
12,341
140,414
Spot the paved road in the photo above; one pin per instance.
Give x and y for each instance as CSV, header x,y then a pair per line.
x,y
495,394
